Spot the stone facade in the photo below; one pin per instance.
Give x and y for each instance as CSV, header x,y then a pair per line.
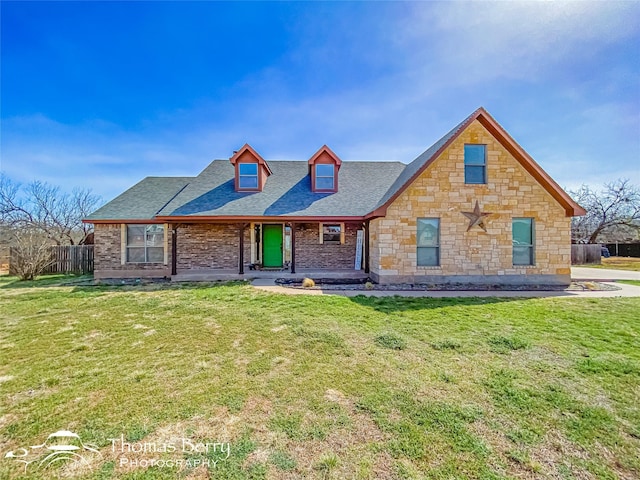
x,y
473,256
440,191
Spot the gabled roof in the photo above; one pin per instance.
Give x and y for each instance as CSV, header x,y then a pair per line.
x,y
286,194
143,201
328,151
248,148
420,164
366,188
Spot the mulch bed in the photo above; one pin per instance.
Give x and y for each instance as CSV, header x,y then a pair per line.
x,y
574,286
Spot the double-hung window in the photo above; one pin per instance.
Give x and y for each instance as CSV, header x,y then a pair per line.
x,y
523,241
248,176
475,164
145,243
428,242
325,179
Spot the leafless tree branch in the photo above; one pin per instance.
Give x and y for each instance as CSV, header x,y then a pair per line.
x,y
613,212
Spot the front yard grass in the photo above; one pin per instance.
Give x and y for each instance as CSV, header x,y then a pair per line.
x,y
322,386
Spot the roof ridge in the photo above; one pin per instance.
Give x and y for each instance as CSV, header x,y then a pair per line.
x,y
417,166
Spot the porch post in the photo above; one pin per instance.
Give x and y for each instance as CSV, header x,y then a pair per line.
x,y
366,246
293,248
174,249
241,253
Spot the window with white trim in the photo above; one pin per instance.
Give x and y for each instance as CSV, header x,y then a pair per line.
x,y
428,242
145,243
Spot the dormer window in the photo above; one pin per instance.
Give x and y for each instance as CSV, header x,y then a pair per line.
x,y
325,177
248,176
251,170
323,168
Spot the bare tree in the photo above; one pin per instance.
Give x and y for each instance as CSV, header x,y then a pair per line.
x,y
46,208
615,209
30,253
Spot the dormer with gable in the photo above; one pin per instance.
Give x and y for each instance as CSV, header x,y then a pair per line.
x,y
473,208
251,170
323,168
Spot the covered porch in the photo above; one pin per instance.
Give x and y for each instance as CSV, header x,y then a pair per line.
x,y
269,249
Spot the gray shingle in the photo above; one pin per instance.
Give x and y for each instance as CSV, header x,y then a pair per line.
x,y
287,191
143,200
362,187
420,161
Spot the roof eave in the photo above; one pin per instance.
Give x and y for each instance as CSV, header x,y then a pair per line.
x,y
260,218
571,208
97,221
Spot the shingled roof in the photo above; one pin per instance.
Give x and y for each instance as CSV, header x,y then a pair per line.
x,y
286,193
142,201
365,189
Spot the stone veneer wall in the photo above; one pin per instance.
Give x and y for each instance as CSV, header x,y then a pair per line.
x,y
108,255
206,246
474,256
310,253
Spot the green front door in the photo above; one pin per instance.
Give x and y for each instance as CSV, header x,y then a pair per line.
x,y
272,245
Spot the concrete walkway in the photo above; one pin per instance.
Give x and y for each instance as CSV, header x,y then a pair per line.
x,y
268,285
602,274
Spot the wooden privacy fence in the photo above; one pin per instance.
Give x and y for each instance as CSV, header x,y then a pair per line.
x,y
67,259
585,253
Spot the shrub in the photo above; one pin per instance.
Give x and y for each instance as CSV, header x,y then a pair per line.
x,y
30,253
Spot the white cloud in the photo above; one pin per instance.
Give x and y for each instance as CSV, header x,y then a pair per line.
x,y
474,41
442,61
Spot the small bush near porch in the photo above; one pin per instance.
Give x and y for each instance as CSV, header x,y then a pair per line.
x,y
313,387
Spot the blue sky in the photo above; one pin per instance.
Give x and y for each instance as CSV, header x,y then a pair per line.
x,y
103,94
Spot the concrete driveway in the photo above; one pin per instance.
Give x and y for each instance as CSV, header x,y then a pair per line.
x,y
602,274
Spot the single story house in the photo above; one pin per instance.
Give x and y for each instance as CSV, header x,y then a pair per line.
x,y
473,208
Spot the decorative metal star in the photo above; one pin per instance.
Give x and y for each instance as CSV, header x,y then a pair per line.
x,y
476,217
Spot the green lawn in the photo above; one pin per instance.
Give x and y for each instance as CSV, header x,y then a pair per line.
x,y
321,386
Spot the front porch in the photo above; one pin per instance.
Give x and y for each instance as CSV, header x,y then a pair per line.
x,y
219,274
227,251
